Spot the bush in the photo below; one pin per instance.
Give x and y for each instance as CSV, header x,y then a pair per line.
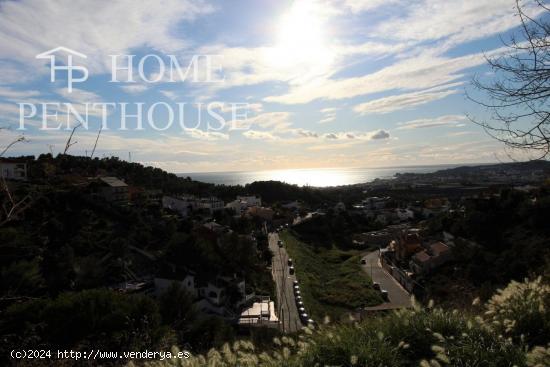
x,y
520,311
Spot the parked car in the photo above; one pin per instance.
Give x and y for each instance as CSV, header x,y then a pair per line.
x,y
296,287
304,317
299,303
311,322
301,310
364,261
385,295
291,270
295,282
280,243
299,299
376,286
297,292
289,262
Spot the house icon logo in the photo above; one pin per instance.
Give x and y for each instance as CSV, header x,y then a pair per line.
x,y
68,65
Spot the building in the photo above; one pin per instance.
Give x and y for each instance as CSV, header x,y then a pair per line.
x,y
187,283
261,212
211,204
250,200
434,256
113,190
13,170
407,243
340,207
242,203
183,206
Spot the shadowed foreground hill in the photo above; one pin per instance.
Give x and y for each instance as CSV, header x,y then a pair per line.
x,y
512,329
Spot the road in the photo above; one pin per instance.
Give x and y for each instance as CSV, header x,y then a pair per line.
x,y
398,296
286,303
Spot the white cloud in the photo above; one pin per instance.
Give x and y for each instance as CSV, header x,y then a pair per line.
x,y
259,135
458,22
134,88
401,101
279,121
97,29
13,94
206,135
447,120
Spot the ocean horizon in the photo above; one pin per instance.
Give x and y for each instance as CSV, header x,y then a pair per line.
x,y
316,177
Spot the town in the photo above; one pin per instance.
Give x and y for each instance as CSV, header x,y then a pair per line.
x,y
250,263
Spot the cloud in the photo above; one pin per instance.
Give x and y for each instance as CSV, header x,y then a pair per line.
x,y
436,20
380,134
279,121
360,136
206,135
259,135
401,101
329,115
12,94
447,120
97,29
414,73
134,88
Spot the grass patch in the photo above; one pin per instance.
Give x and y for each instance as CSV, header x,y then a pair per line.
x,y
332,281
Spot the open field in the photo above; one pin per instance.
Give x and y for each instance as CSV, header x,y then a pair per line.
x,y
331,280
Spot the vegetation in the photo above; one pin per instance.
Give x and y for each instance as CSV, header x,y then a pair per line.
x,y
499,238
417,337
331,280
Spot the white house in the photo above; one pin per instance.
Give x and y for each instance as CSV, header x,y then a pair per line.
x,y
250,200
13,170
188,283
211,204
404,214
242,203
183,206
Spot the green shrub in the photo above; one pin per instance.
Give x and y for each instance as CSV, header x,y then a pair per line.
x,y
521,311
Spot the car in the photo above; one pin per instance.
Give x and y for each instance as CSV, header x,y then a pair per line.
x,y
376,286
295,282
304,317
311,322
364,261
289,262
297,292
280,243
291,270
301,310
298,299
385,295
296,287
299,303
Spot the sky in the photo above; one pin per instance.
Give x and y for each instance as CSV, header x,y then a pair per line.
x,y
323,83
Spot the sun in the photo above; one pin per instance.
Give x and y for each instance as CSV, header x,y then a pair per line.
x,y
301,44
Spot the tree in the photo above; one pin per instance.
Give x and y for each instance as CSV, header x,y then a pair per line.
x,y
517,95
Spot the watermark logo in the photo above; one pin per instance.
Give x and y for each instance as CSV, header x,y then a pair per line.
x,y
68,67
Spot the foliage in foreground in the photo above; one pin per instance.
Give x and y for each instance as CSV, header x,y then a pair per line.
x,y
416,337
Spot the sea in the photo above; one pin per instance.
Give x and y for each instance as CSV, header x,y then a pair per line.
x,y
316,177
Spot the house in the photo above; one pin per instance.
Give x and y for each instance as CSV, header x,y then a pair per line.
x,y
113,190
261,212
340,207
292,205
407,243
13,170
187,283
250,200
434,206
434,256
183,206
242,203
404,214
211,204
